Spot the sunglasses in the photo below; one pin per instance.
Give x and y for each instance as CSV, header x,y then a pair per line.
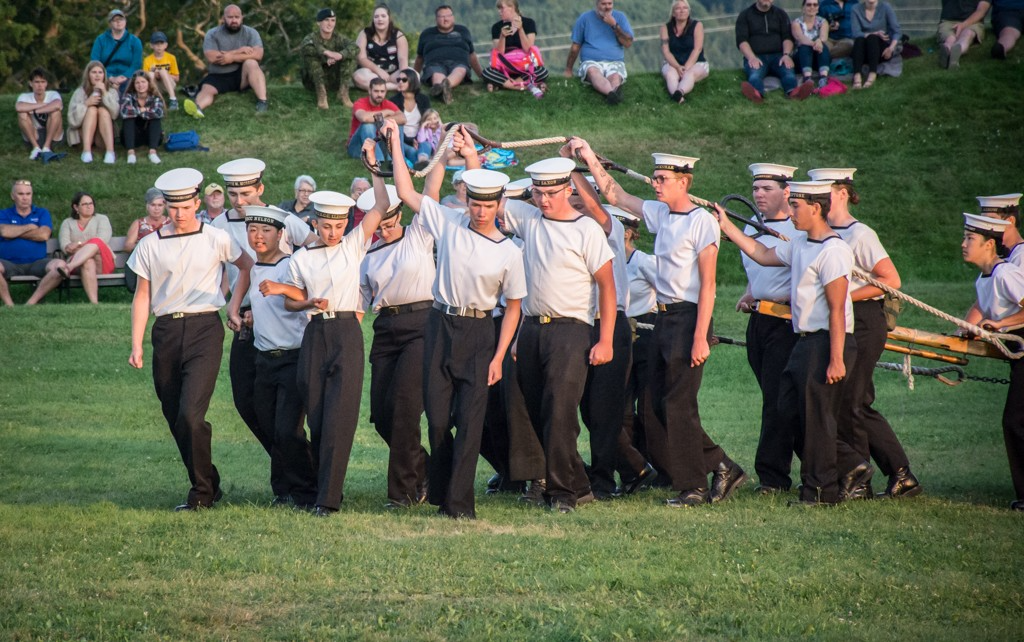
x,y
403,79
22,181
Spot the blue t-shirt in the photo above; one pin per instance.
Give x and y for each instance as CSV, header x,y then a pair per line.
x,y
596,39
23,251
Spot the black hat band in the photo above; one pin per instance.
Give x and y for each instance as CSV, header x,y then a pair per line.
x,y
329,215
246,183
181,198
550,182
992,234
683,169
263,220
771,177
493,196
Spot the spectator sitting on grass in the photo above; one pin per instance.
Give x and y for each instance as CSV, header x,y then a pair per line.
x,y
119,51
414,104
810,31
162,68
213,199
512,40
328,60
457,201
765,38
85,239
839,14
300,205
154,219
876,33
1007,23
234,52
142,112
39,114
383,51
600,38
94,108
682,47
363,113
445,54
24,230
428,138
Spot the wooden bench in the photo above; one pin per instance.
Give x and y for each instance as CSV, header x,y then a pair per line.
x,y
103,280
52,250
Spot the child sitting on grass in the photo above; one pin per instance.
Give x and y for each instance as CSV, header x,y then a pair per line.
x,y
162,68
428,138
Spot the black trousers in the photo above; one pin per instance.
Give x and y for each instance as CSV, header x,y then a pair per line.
x,y
770,341
639,412
860,425
867,50
330,379
811,404
604,398
1013,425
279,413
186,360
525,450
396,399
456,353
494,443
690,453
553,360
242,370
136,129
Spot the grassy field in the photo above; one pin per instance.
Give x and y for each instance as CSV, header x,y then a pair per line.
x,y
88,472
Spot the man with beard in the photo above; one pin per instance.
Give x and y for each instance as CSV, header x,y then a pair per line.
x,y
233,52
365,111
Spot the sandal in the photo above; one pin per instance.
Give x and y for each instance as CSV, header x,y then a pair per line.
x,y
870,81
857,82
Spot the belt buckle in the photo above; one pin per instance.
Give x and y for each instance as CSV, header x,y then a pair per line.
x,y
177,315
543,320
662,307
327,315
277,354
393,309
451,310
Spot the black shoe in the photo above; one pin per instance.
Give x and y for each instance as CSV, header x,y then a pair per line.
x,y
862,491
762,489
902,483
421,493
562,507
281,501
420,165
998,51
689,498
535,493
1017,505
606,496
261,106
323,511
493,484
644,479
860,475
676,96
182,508
727,477
586,499
614,97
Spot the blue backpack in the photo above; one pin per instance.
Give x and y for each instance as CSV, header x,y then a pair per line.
x,y
184,141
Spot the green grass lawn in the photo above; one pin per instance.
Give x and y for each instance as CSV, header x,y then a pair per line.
x,y
88,471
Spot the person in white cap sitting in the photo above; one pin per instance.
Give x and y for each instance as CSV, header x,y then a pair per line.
x,y
396,281
810,393
277,335
476,265
179,278
243,180
323,280
770,339
686,247
861,425
1000,288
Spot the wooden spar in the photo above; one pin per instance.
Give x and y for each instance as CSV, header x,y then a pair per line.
x,y
926,354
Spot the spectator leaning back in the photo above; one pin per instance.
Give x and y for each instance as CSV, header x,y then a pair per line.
x,y
24,230
234,52
599,39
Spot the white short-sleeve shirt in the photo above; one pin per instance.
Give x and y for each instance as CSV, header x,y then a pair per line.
x,y
399,272
295,233
274,327
641,270
867,249
331,273
681,236
617,242
1016,255
814,265
561,258
184,270
1001,292
769,283
473,271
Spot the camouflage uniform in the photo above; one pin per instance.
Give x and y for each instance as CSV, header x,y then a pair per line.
x,y
315,70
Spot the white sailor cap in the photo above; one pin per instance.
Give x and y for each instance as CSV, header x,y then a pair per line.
x,y
771,172
331,205
674,162
985,225
484,184
265,214
520,189
627,219
367,201
593,183
841,175
179,185
242,172
1002,204
807,190
551,171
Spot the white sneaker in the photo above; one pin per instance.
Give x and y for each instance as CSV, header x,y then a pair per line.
x,y
46,150
35,153
131,159
86,157
153,158
108,158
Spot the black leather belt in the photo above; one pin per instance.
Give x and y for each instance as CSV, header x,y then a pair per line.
x,y
545,320
676,307
277,354
185,315
453,311
392,310
327,316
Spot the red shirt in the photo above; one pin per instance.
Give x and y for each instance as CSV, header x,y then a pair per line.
x,y
364,104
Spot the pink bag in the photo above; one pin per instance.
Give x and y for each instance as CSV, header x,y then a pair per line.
x,y
833,87
516,63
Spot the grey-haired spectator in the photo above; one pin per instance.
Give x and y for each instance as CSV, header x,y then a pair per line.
x,y
458,199
600,38
154,219
24,230
1007,23
119,51
445,54
39,114
300,205
162,68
